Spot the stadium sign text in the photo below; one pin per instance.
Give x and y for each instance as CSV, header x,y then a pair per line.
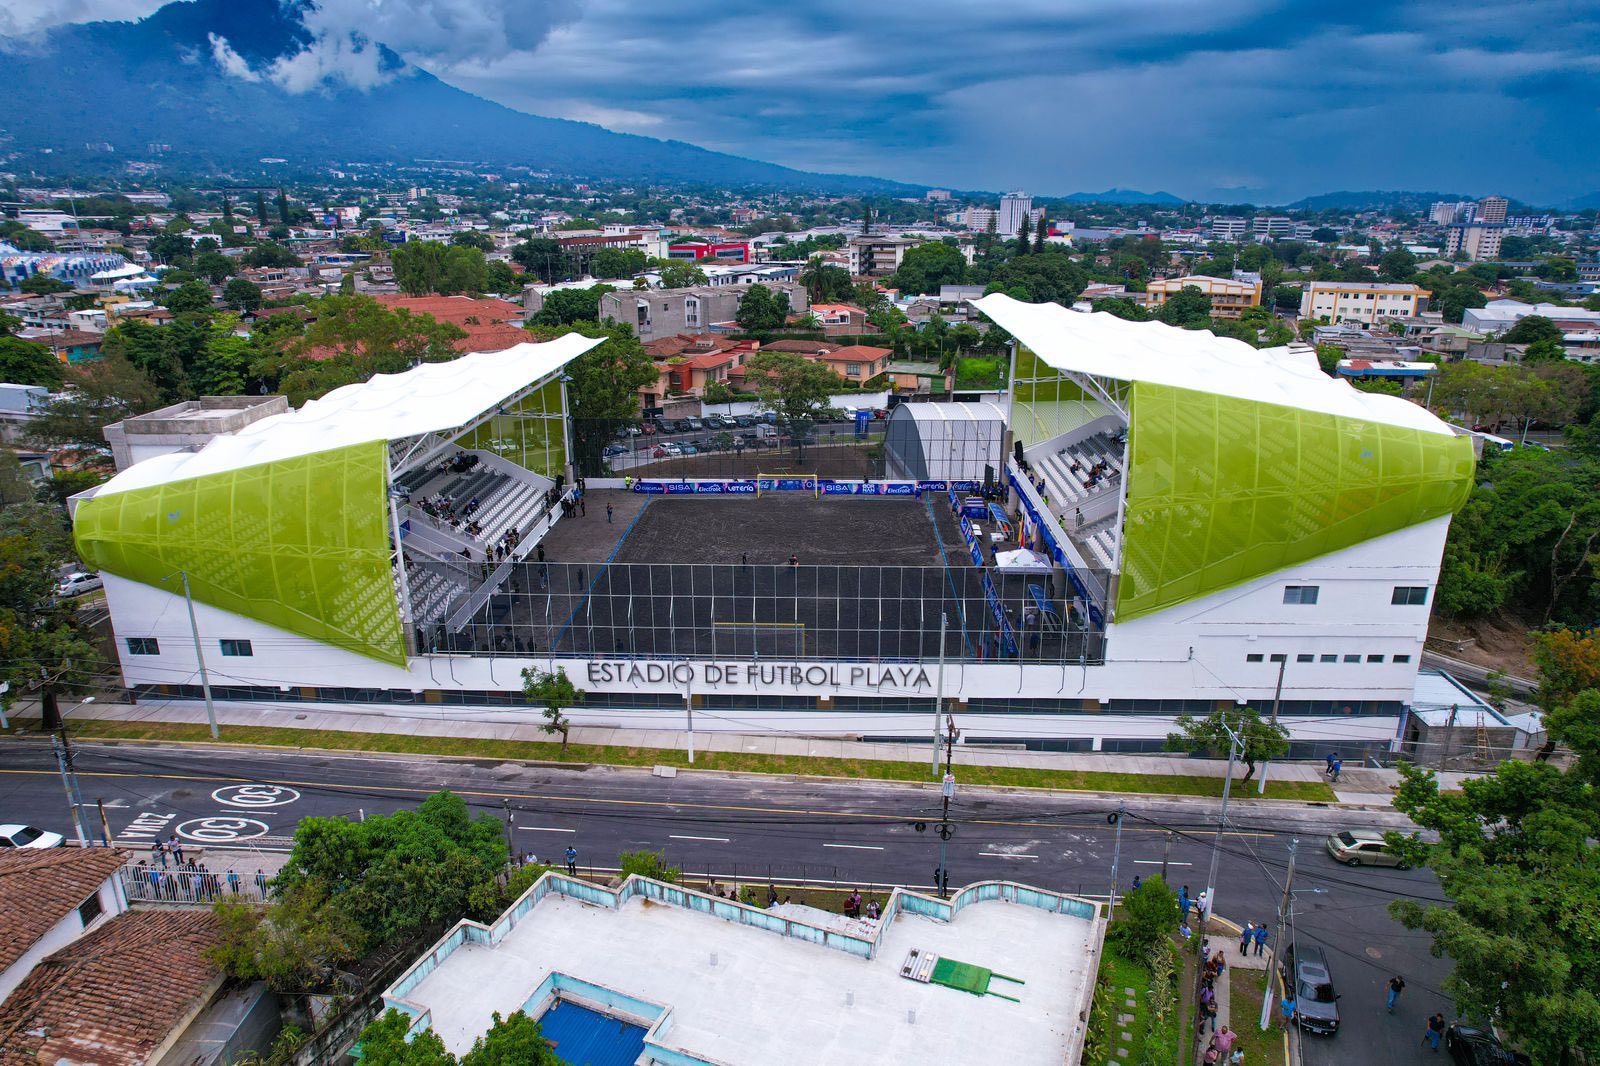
x,y
760,675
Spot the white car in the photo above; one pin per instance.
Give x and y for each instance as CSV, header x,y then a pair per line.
x,y
27,836
78,583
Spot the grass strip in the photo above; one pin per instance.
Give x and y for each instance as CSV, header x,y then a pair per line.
x,y
1245,990
729,762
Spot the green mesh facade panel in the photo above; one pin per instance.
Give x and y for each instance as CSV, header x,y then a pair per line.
x,y
1046,402
530,432
1224,490
301,544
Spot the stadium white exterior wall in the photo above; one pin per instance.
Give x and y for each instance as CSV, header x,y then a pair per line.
x,y
1197,650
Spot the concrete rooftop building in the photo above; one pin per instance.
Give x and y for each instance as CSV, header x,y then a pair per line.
x,y
709,980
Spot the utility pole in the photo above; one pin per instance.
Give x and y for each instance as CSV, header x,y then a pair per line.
x,y
1166,853
200,658
1116,857
948,789
1277,695
1277,935
1216,840
56,726
938,690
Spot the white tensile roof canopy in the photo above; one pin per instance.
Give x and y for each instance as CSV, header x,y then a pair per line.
x,y
430,398
1103,345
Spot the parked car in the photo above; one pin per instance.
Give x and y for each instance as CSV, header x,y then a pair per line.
x,y
667,425
1472,1045
1362,847
648,429
688,449
27,836
631,431
76,584
691,425
743,421
615,449
1306,965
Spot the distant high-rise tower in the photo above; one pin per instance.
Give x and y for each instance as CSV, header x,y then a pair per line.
x,y
1492,210
1015,209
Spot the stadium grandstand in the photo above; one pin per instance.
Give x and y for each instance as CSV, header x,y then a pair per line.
x,y
1153,522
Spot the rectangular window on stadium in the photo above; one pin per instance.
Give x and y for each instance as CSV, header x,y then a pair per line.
x,y
1330,658
1374,658
143,646
1302,594
1305,657
1352,658
1402,658
1277,658
1253,657
1409,596
239,648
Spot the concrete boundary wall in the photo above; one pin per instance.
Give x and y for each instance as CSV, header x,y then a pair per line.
x,y
658,1017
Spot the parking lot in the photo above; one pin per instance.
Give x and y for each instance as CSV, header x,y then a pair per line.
x,y
746,446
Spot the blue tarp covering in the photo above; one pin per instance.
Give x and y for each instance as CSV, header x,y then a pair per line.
x,y
584,1037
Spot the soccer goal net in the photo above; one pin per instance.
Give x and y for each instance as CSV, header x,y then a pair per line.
x,y
787,483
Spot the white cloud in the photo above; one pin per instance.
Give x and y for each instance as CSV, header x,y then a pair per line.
x,y
22,18
231,62
431,33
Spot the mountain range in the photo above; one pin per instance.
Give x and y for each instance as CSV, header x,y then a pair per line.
x,y
165,81
1125,196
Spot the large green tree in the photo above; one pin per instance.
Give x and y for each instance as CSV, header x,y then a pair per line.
x,y
565,306
424,267
791,384
761,310
349,887
242,294
1518,856
1263,740
517,1040
44,649
602,388
827,284
26,363
1188,308
676,275
98,392
927,266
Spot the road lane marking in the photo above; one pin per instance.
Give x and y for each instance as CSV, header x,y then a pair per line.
x,y
544,829
1006,855
1158,862
714,840
855,847
338,786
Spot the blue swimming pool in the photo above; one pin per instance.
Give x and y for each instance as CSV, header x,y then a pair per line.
x,y
585,1037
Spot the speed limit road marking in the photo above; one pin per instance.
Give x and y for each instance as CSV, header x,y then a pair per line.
x,y
255,797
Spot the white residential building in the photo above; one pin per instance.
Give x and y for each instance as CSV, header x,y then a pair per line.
x,y
1362,301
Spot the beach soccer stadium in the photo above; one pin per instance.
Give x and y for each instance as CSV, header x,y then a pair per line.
x,y
1149,522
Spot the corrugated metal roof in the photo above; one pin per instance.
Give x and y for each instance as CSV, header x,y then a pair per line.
x,y
586,1037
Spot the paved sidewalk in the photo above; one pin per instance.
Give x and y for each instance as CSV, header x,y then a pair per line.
x,y
1357,786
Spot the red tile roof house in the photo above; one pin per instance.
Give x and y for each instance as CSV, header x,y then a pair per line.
x,y
124,995
53,896
857,363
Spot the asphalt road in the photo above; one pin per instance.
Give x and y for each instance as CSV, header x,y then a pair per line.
x,y
856,833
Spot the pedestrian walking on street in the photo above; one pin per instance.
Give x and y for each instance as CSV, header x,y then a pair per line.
x,y
1338,765
175,846
158,850
572,861
1286,1009
608,514
1261,939
1200,906
1434,1032
541,553
1332,755
1245,936
1183,903
1397,985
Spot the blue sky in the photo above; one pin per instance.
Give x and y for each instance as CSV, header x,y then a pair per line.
x,y
1216,99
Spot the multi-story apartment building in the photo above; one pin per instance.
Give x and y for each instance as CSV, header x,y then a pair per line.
x,y
979,219
1272,226
1362,301
1229,229
1477,241
1446,213
877,255
653,314
1229,296
1492,210
1015,209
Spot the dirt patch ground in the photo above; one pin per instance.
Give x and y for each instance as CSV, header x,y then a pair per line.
x,y
1499,642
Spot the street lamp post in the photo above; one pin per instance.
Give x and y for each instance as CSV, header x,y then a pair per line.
x,y
1234,746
